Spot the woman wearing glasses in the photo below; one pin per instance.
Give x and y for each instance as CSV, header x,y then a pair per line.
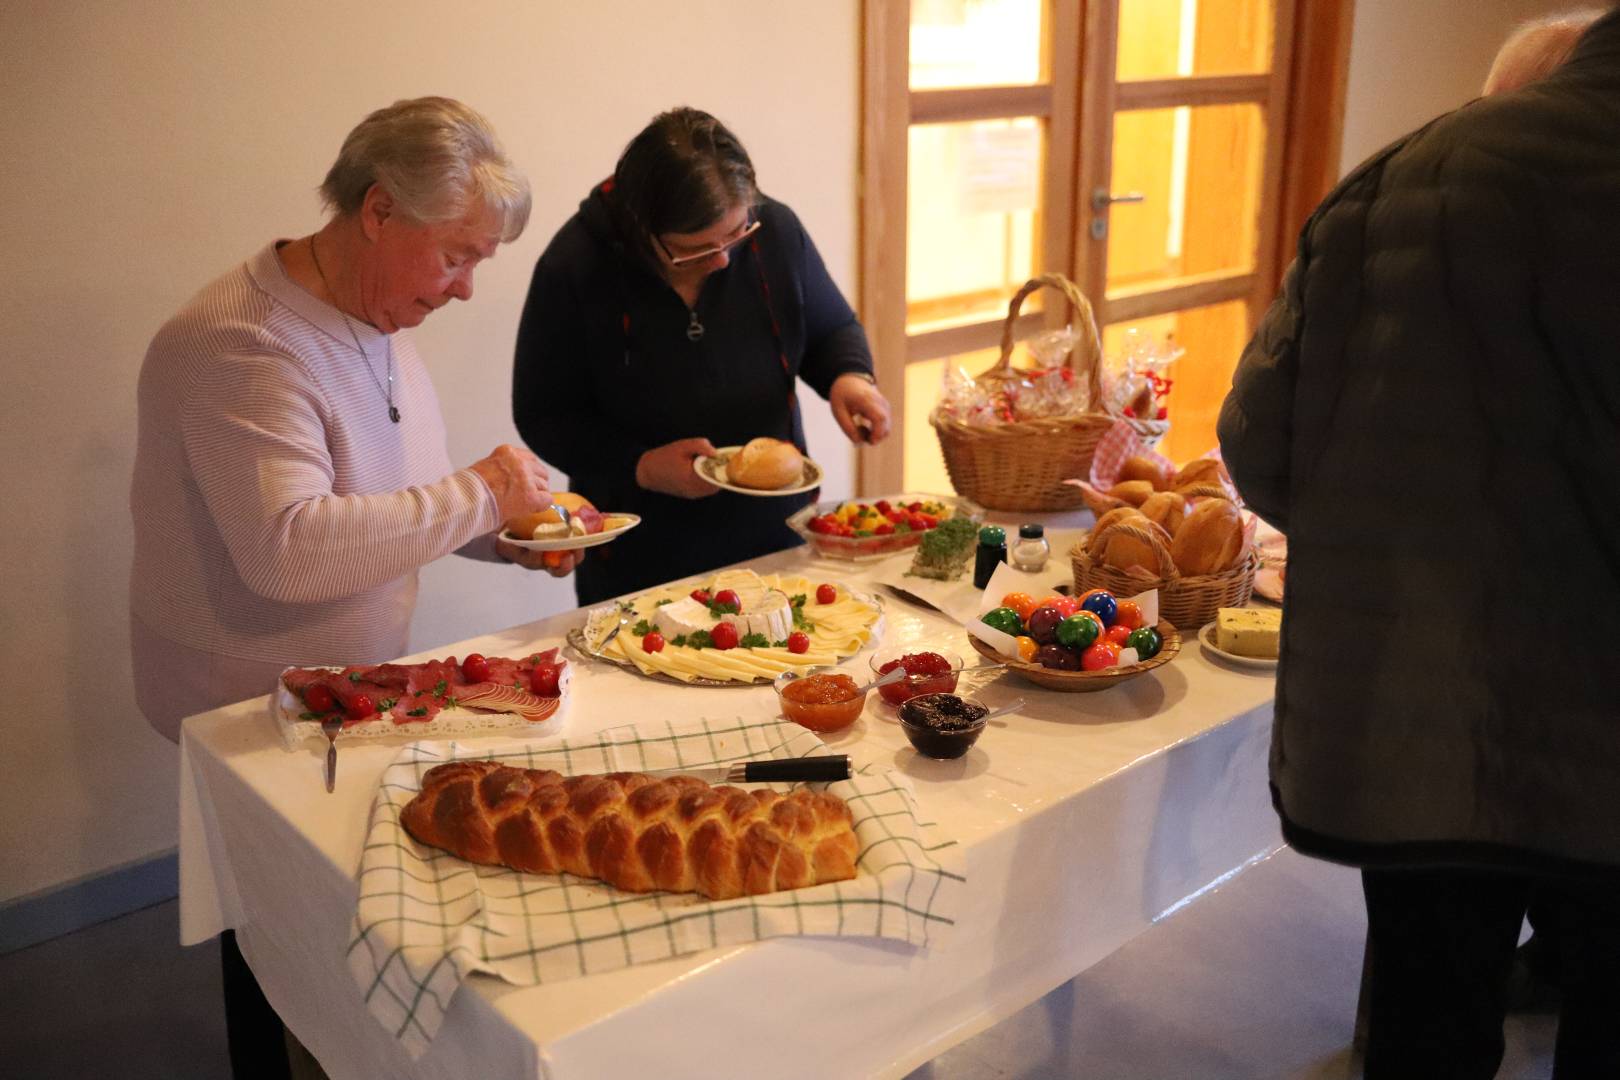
x,y
673,314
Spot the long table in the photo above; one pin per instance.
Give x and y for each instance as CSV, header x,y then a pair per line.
x,y
1084,818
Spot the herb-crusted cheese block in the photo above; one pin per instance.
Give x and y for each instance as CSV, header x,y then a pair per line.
x,y
1248,631
773,607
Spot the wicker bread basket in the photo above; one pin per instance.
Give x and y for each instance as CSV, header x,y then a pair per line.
x,y
1187,602
1021,465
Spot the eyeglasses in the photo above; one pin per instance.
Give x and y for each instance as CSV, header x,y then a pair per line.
x,y
708,253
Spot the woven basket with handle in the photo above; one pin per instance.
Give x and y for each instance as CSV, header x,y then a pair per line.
x,y
1021,465
1187,602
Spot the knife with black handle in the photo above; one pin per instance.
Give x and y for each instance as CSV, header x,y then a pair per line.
x,y
819,769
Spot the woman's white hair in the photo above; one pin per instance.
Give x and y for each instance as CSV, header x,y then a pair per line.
x,y
1536,49
438,158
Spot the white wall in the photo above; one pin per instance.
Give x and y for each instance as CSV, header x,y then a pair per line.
x,y
1411,60
148,145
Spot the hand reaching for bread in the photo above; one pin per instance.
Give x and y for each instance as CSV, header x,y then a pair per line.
x,y
668,469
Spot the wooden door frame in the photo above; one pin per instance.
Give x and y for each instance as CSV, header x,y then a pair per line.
x,y
1302,156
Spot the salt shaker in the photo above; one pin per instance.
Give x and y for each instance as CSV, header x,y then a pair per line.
x,y
992,553
1031,551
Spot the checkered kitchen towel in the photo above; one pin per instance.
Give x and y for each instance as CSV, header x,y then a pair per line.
x,y
427,919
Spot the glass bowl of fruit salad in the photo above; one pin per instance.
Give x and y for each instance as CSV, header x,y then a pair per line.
x,y
877,528
927,672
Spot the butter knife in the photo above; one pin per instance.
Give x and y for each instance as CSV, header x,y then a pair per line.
x,y
814,769
330,728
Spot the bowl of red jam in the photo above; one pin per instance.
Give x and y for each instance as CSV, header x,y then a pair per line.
x,y
943,725
819,698
927,672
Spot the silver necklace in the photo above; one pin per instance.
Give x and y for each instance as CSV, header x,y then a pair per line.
x,y
388,393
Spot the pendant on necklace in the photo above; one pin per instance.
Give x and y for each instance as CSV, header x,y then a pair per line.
x,y
393,413
694,329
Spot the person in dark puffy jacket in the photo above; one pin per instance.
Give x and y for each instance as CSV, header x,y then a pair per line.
x,y
1431,412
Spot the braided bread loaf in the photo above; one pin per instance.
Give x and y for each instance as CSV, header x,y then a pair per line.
x,y
634,831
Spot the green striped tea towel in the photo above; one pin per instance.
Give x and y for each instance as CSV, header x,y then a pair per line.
x,y
427,919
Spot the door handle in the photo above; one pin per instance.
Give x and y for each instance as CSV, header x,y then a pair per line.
x,y
1102,198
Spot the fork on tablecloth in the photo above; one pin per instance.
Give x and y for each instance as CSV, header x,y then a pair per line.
x,y
330,728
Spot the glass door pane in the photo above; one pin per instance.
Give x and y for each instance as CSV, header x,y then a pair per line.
x,y
972,219
1162,39
1200,170
960,43
924,463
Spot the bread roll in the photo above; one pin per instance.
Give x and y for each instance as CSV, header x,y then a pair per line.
x,y
1210,539
1165,509
1122,552
1134,492
1094,538
633,831
766,464
1155,471
1202,471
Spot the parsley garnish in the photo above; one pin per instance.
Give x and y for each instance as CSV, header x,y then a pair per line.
x,y
798,600
780,644
699,639
309,716
661,603
679,641
354,676
418,712
440,687
754,641
627,607
642,628
451,703
386,703
717,609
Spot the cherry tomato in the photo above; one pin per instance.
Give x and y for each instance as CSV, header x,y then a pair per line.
x,y
918,522
1104,654
1021,602
319,698
724,635
1128,615
546,681
1027,649
653,642
798,642
1118,634
885,529
361,706
884,507
700,596
826,594
475,668
914,506
728,596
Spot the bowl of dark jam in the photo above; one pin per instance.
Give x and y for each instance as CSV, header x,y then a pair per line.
x,y
943,725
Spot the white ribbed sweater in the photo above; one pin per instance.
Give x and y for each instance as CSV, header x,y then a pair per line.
x,y
279,514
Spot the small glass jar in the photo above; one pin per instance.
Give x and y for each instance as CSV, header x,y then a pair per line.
x,y
1031,550
992,553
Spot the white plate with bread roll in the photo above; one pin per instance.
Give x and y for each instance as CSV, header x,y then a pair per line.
x,y
763,467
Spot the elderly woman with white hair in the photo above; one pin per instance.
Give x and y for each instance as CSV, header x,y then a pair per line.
x,y
291,471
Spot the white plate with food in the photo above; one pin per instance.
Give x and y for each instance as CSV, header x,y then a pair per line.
x,y
762,467
1206,638
545,530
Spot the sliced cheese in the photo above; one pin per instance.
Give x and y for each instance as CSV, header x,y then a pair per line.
x,y
1249,631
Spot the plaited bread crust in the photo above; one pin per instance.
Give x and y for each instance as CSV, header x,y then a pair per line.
x,y
634,831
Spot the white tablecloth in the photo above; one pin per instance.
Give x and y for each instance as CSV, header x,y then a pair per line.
x,y
1084,817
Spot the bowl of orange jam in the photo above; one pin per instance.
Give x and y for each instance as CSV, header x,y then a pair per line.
x,y
819,698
